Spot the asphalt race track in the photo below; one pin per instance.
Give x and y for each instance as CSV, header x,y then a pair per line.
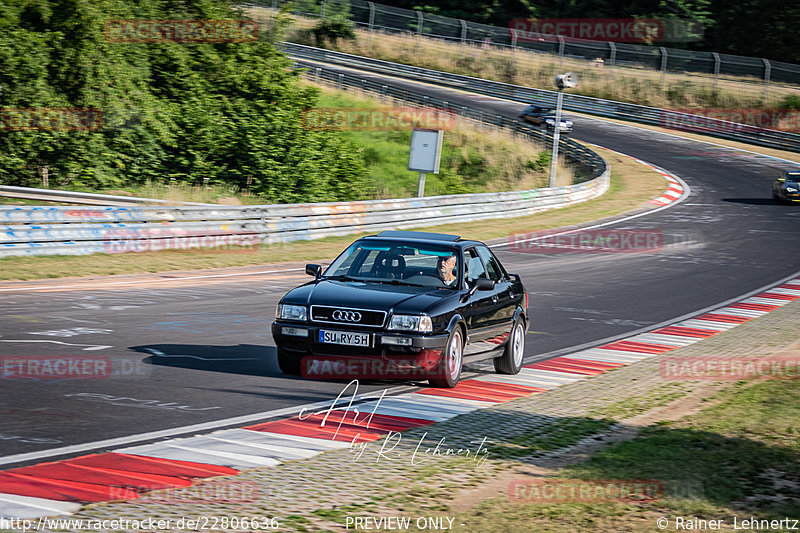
x,y
199,351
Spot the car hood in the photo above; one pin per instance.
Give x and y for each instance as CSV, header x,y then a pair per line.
x,y
791,183
367,295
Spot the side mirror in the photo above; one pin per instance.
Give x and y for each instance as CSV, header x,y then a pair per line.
x,y
481,284
314,270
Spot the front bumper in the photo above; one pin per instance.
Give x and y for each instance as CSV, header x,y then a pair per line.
x,y
399,355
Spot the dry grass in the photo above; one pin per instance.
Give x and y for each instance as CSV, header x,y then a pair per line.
x,y
184,192
640,85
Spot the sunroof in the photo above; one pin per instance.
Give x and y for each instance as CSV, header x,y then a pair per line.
x,y
419,235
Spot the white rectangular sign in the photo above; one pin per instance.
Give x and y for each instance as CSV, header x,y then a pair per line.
x,y
426,150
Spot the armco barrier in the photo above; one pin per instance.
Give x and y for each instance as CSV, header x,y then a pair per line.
x,y
73,197
572,102
77,230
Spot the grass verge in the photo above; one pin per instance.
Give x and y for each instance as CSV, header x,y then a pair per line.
x,y
632,83
474,159
631,185
738,458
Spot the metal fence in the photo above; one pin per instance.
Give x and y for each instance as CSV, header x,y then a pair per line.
x,y
77,230
370,15
573,102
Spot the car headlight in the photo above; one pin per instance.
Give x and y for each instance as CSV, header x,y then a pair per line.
x,y
292,312
791,189
422,324
550,121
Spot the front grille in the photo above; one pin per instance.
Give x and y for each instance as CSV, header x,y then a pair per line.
x,y
347,316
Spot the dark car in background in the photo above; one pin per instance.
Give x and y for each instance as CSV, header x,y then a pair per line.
x,y
786,187
545,117
418,304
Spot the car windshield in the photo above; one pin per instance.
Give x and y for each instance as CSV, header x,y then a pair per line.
x,y
427,265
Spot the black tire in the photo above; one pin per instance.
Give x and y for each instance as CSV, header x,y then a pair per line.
x,y
288,363
511,360
449,371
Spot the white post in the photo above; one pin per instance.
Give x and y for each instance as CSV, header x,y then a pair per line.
x,y
371,15
716,69
556,137
421,185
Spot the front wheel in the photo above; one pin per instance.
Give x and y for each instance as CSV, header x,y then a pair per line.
x,y
511,360
449,370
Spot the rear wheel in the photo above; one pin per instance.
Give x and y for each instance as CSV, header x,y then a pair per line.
x,y
288,363
449,370
511,360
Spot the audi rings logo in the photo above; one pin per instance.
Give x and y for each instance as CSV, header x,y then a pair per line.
x,y
346,316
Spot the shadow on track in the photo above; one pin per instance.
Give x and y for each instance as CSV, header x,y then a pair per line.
x,y
247,359
752,201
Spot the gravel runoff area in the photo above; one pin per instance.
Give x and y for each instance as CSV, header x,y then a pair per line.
x,y
410,479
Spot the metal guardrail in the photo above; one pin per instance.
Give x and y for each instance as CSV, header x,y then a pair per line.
x,y
582,104
56,195
68,230
389,19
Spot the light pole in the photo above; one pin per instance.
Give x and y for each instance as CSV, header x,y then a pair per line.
x,y
563,81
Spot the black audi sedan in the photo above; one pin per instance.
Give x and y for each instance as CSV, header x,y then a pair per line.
x,y
786,187
404,305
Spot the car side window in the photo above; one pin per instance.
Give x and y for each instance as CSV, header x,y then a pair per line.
x,y
493,268
474,267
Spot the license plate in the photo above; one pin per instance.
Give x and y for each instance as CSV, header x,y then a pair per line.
x,y
344,337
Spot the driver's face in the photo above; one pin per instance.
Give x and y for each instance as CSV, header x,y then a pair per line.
x,y
448,265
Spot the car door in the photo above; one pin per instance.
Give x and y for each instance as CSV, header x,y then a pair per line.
x,y
478,309
503,296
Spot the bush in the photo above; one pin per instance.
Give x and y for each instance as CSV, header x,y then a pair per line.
x,y
333,29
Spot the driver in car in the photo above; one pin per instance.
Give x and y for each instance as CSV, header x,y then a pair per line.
x,y
446,269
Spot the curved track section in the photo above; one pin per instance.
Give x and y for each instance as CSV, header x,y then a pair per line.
x,y
178,356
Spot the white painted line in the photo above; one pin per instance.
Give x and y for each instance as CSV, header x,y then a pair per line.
x,y
168,450
706,324
741,312
307,441
152,435
676,341
404,411
14,506
516,380
563,377
687,192
768,301
250,448
449,403
429,406
96,286
790,292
